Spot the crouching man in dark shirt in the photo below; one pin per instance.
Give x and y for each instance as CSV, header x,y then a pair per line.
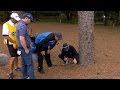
x,y
68,51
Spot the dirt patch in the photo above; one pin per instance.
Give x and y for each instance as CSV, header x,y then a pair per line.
x,y
107,58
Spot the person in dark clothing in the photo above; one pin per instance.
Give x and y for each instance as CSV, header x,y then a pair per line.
x,y
42,44
68,51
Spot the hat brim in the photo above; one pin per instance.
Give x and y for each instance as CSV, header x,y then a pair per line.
x,y
66,49
17,19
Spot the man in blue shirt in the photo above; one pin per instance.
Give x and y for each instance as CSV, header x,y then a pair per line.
x,y
24,42
42,45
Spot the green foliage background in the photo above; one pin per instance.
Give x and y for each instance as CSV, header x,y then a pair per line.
x,y
111,17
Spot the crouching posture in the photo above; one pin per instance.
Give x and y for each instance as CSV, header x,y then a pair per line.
x,y
42,45
68,51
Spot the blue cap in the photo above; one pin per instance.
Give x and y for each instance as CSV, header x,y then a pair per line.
x,y
28,15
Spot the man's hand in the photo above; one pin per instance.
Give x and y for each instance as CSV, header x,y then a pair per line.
x,y
48,47
74,61
43,52
27,50
48,51
65,58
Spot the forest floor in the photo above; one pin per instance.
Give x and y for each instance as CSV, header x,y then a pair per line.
x,y
107,54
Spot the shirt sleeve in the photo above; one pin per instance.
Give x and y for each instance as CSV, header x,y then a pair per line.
x,y
5,30
22,30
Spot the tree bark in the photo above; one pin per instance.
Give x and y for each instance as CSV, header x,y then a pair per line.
x,y
86,37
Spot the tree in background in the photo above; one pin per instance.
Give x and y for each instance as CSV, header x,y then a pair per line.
x,y
100,17
4,16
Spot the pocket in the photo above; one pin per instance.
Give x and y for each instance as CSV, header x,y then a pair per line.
x,y
27,53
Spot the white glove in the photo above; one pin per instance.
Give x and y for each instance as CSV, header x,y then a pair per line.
x,y
65,58
18,52
74,61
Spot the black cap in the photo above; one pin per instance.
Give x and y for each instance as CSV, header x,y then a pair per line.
x,y
65,47
29,15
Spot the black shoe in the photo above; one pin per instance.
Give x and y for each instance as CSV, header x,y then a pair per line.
x,y
49,65
11,76
40,70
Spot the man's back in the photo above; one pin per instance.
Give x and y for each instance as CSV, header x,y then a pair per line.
x,y
41,37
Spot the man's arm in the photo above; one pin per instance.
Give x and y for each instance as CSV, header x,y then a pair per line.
x,y
53,45
23,43
73,50
5,33
63,52
9,39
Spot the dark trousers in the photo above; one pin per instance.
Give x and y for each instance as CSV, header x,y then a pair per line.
x,y
40,59
69,56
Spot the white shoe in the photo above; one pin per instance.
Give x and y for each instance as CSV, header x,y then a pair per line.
x,y
28,78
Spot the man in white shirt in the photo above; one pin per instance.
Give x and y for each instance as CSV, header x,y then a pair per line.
x,y
9,34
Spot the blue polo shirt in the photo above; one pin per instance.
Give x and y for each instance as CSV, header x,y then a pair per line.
x,y
21,30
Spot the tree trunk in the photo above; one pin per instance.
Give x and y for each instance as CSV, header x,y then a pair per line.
x,y
86,37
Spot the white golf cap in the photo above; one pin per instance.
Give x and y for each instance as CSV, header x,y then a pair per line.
x,y
15,16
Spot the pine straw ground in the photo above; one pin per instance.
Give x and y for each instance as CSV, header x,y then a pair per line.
x,y
107,54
